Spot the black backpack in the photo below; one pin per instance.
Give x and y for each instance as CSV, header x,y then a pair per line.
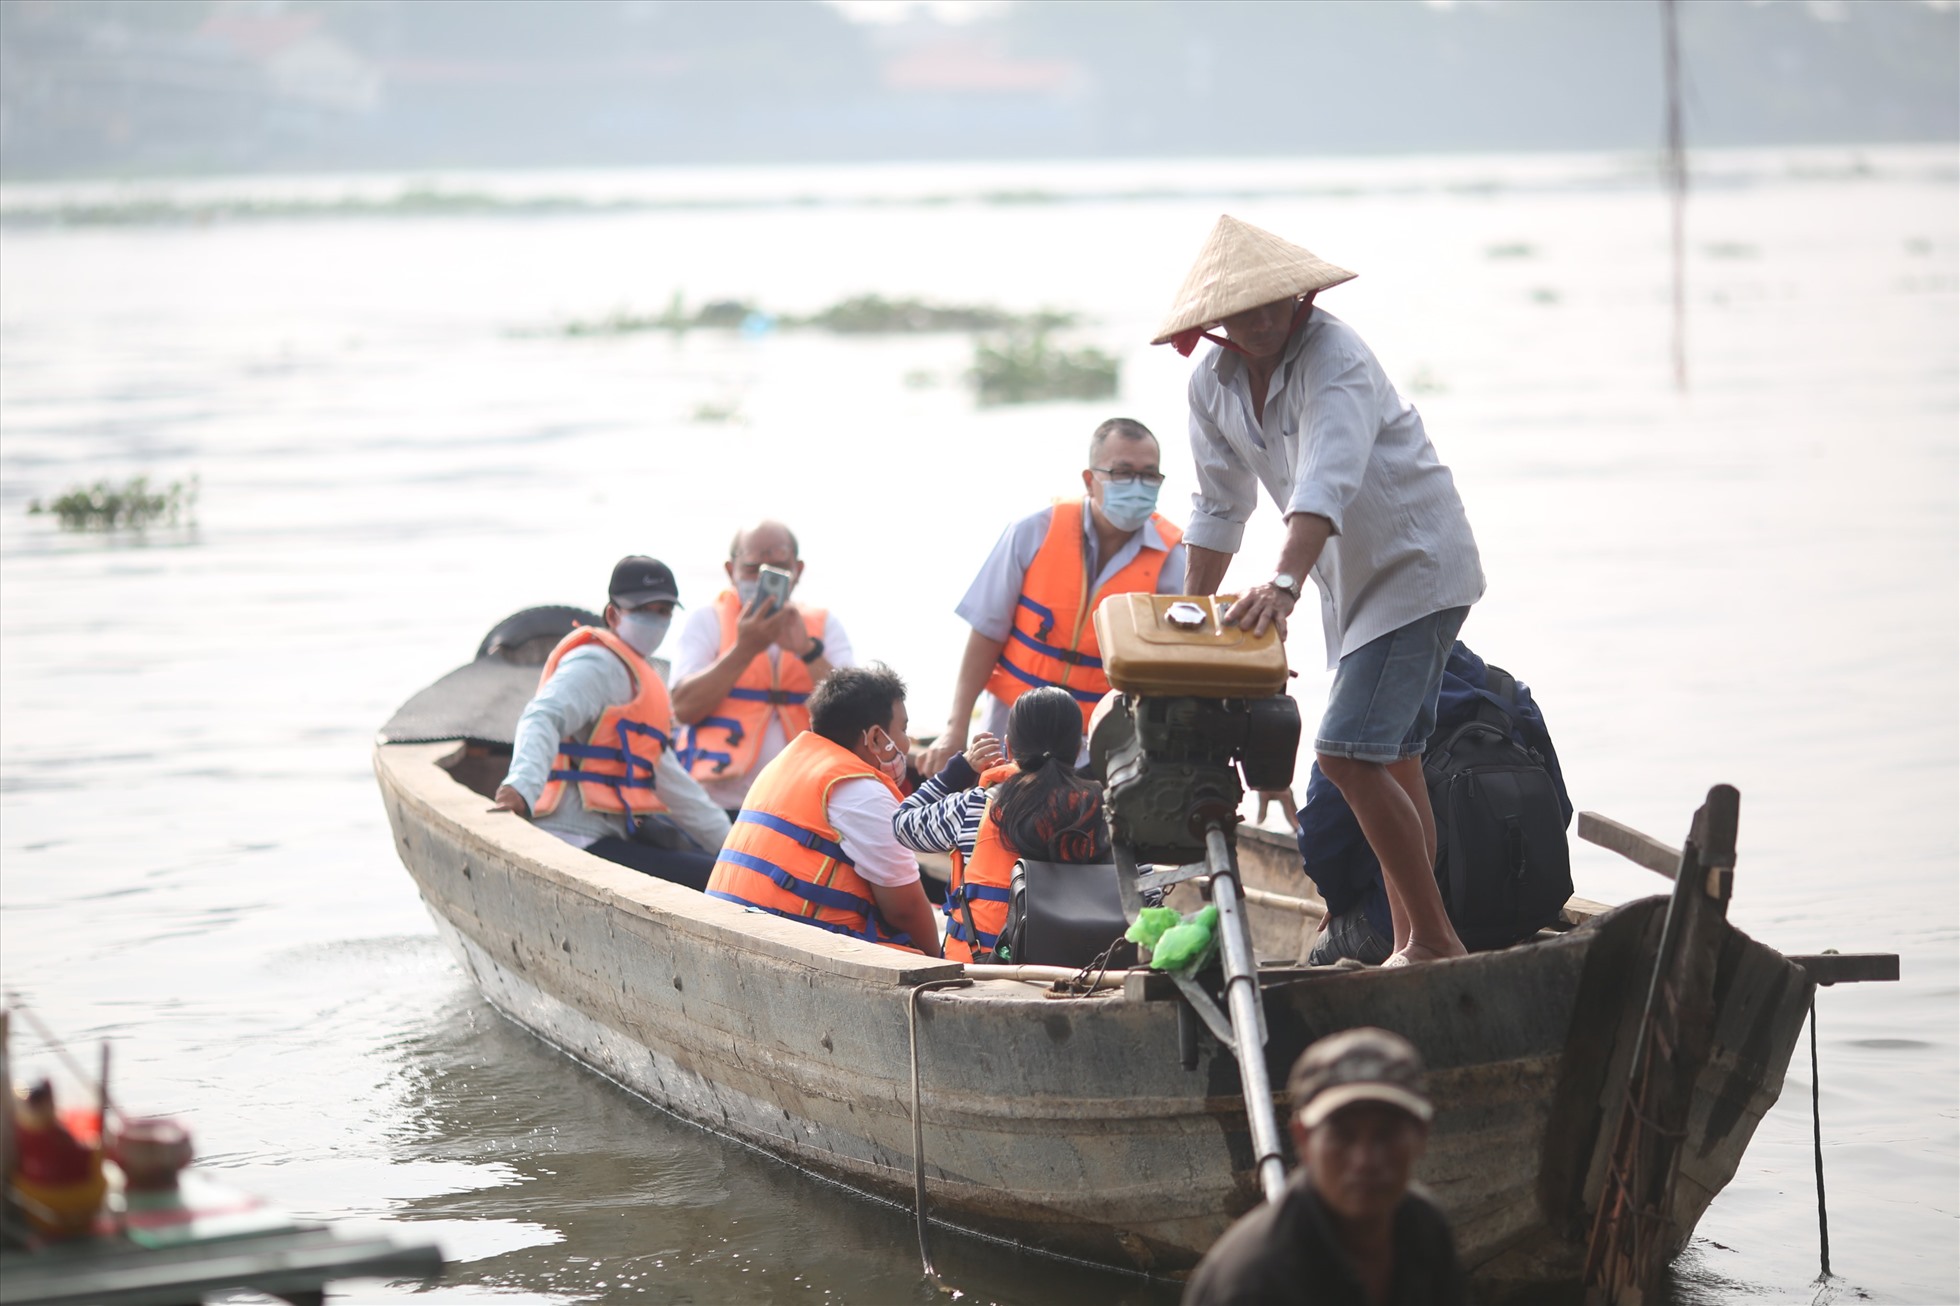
x,y
1502,862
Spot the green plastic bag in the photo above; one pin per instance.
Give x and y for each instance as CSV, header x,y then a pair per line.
x,y
1150,925
1186,945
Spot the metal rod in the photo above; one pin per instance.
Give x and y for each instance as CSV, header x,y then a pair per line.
x,y
1248,1019
1817,1150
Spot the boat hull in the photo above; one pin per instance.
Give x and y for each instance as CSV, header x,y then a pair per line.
x,y
1070,1125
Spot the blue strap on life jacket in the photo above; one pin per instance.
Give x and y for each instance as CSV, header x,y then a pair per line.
x,y
600,753
1046,614
983,892
779,697
869,935
1020,636
808,838
1029,678
969,892
689,751
877,933
979,940
818,894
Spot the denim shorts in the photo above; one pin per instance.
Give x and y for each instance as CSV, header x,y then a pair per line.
x,y
1383,704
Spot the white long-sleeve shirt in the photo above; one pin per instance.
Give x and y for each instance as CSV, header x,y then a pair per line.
x,y
587,682
1337,441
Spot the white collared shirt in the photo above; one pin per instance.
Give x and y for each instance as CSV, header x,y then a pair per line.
x,y
990,601
1339,442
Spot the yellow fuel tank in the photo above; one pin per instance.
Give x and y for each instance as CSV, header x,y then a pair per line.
x,y
1173,644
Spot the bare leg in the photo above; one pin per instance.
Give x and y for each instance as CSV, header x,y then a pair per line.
x,y
1404,843
1408,774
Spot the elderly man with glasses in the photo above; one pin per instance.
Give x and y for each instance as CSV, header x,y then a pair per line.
x,y
1031,604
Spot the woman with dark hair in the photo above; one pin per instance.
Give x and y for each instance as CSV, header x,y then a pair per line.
x,y
988,813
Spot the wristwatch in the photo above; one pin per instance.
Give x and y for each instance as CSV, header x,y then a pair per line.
x,y
1287,584
812,653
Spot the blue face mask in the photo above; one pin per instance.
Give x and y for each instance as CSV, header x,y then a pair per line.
x,y
1128,507
643,631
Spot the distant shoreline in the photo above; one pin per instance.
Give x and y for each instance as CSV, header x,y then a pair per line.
x,y
202,200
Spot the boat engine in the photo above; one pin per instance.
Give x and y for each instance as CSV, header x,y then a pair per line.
x,y
1172,766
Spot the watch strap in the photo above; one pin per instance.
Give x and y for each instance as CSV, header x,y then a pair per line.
x,y
811,654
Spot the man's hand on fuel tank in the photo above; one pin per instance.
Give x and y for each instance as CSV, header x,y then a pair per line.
x,y
509,800
1260,607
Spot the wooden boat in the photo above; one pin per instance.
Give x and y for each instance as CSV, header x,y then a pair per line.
x,y
1108,1127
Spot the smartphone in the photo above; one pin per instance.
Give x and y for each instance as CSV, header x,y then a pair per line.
x,y
772,586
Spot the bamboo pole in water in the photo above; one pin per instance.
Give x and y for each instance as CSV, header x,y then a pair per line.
x,y
1677,185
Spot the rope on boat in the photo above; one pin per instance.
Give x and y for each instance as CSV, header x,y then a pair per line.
x,y
1817,1150
918,1123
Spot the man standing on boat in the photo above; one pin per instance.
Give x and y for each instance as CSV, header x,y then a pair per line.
x,y
1031,604
746,667
1349,1230
814,841
591,760
1293,399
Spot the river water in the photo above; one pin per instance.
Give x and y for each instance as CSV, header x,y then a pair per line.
x,y
1753,582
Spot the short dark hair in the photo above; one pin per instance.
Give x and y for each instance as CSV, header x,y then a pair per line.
x,y
851,700
1126,427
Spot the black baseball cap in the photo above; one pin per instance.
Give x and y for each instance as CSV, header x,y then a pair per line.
x,y
639,579
1358,1065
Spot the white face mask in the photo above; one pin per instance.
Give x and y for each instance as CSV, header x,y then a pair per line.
x,y
643,631
891,758
746,590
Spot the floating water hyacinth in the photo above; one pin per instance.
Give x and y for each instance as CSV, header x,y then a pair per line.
x,y
1025,368
130,506
858,315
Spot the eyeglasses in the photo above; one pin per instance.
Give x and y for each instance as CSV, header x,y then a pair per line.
x,y
1151,479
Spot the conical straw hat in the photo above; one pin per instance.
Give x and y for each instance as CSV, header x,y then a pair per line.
x,y
1241,267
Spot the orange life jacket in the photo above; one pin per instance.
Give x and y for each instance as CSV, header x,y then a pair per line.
x,y
1054,641
783,854
724,744
978,895
613,765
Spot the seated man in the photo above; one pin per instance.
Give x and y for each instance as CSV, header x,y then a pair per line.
x,y
591,762
745,668
1349,1231
814,841
1031,605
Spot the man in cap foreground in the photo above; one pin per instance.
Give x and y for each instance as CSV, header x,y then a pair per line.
x,y
1293,399
1349,1230
592,761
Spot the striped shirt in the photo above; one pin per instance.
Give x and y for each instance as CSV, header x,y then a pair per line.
x,y
1335,440
943,814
